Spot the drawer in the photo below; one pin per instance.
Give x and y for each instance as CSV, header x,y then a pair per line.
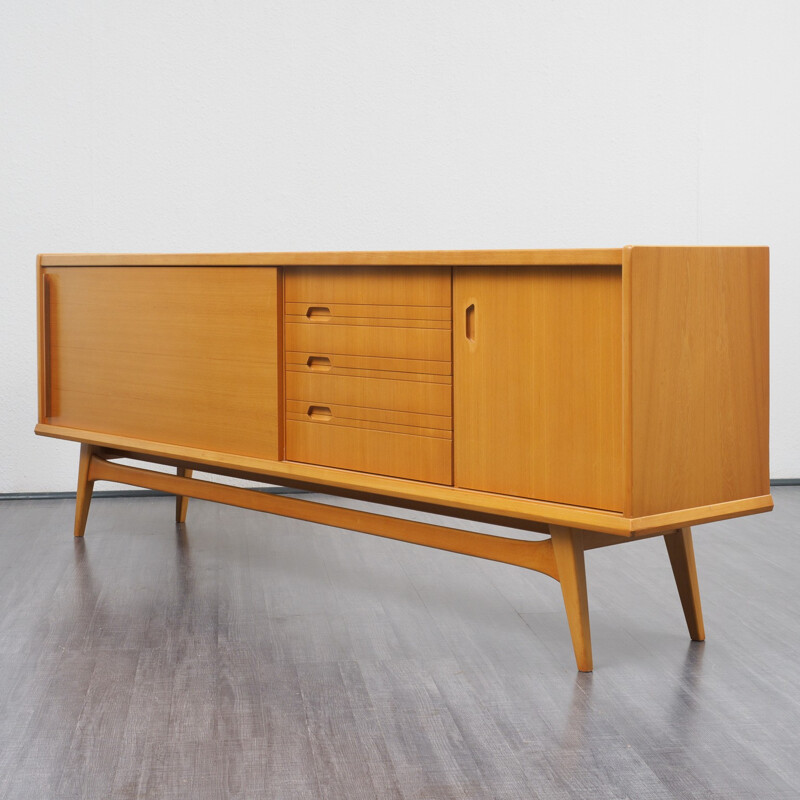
x,y
393,395
378,418
300,361
361,340
368,369
399,455
350,314
410,286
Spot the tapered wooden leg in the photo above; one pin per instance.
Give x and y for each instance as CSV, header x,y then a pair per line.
x,y
568,549
85,488
181,502
681,556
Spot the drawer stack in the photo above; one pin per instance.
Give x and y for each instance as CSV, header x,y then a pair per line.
x,y
368,381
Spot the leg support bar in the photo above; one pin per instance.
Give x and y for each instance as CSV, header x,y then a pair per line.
x,y
561,556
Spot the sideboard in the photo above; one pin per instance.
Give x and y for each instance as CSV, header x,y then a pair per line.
x,y
583,398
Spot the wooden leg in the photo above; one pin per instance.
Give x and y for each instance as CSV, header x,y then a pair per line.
x,y
182,502
85,488
681,556
568,549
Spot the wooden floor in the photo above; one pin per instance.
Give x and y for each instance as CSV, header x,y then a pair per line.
x,y
247,656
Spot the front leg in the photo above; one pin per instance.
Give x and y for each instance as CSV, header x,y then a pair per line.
x,y
681,556
181,501
85,487
568,550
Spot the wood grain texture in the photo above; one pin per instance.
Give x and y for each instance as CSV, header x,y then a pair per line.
x,y
412,396
710,513
561,556
388,342
369,286
391,301
699,376
356,418
535,555
571,568
538,392
311,364
378,488
83,497
413,455
181,501
366,418
681,556
298,360
44,291
595,256
379,416
185,356
431,316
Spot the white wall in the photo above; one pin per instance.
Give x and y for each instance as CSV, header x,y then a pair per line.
x,y
190,125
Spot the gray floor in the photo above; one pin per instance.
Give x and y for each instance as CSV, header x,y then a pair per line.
x,y
257,657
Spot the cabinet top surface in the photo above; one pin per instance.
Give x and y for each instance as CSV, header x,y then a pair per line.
x,y
599,257
389,258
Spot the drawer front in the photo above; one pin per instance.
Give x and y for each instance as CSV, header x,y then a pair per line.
x,y
379,418
368,370
370,314
345,364
365,340
419,397
415,457
404,286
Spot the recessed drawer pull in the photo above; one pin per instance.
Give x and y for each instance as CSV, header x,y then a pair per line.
x,y
319,363
318,313
320,413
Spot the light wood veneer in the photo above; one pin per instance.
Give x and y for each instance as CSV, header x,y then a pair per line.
x,y
597,396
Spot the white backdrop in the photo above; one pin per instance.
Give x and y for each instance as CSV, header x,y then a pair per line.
x,y
190,125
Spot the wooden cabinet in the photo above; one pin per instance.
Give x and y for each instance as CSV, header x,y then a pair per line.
x,y
597,396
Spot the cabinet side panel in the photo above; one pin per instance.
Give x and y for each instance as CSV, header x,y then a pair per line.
x,y
538,383
179,355
699,376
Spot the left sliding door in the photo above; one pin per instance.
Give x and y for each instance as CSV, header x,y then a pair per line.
x,y
179,355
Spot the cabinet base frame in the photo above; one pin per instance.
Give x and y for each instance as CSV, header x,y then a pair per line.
x,y
561,556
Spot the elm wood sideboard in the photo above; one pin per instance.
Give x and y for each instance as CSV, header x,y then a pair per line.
x,y
596,396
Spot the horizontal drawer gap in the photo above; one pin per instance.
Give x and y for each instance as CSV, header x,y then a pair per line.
x,y
321,402
327,376
372,322
418,377
367,424
368,310
410,418
329,303
378,341
353,322
374,363
306,353
364,429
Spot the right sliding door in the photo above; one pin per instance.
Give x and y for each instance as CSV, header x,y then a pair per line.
x,y
537,383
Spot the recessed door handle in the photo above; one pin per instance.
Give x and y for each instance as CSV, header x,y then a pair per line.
x,y
469,322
